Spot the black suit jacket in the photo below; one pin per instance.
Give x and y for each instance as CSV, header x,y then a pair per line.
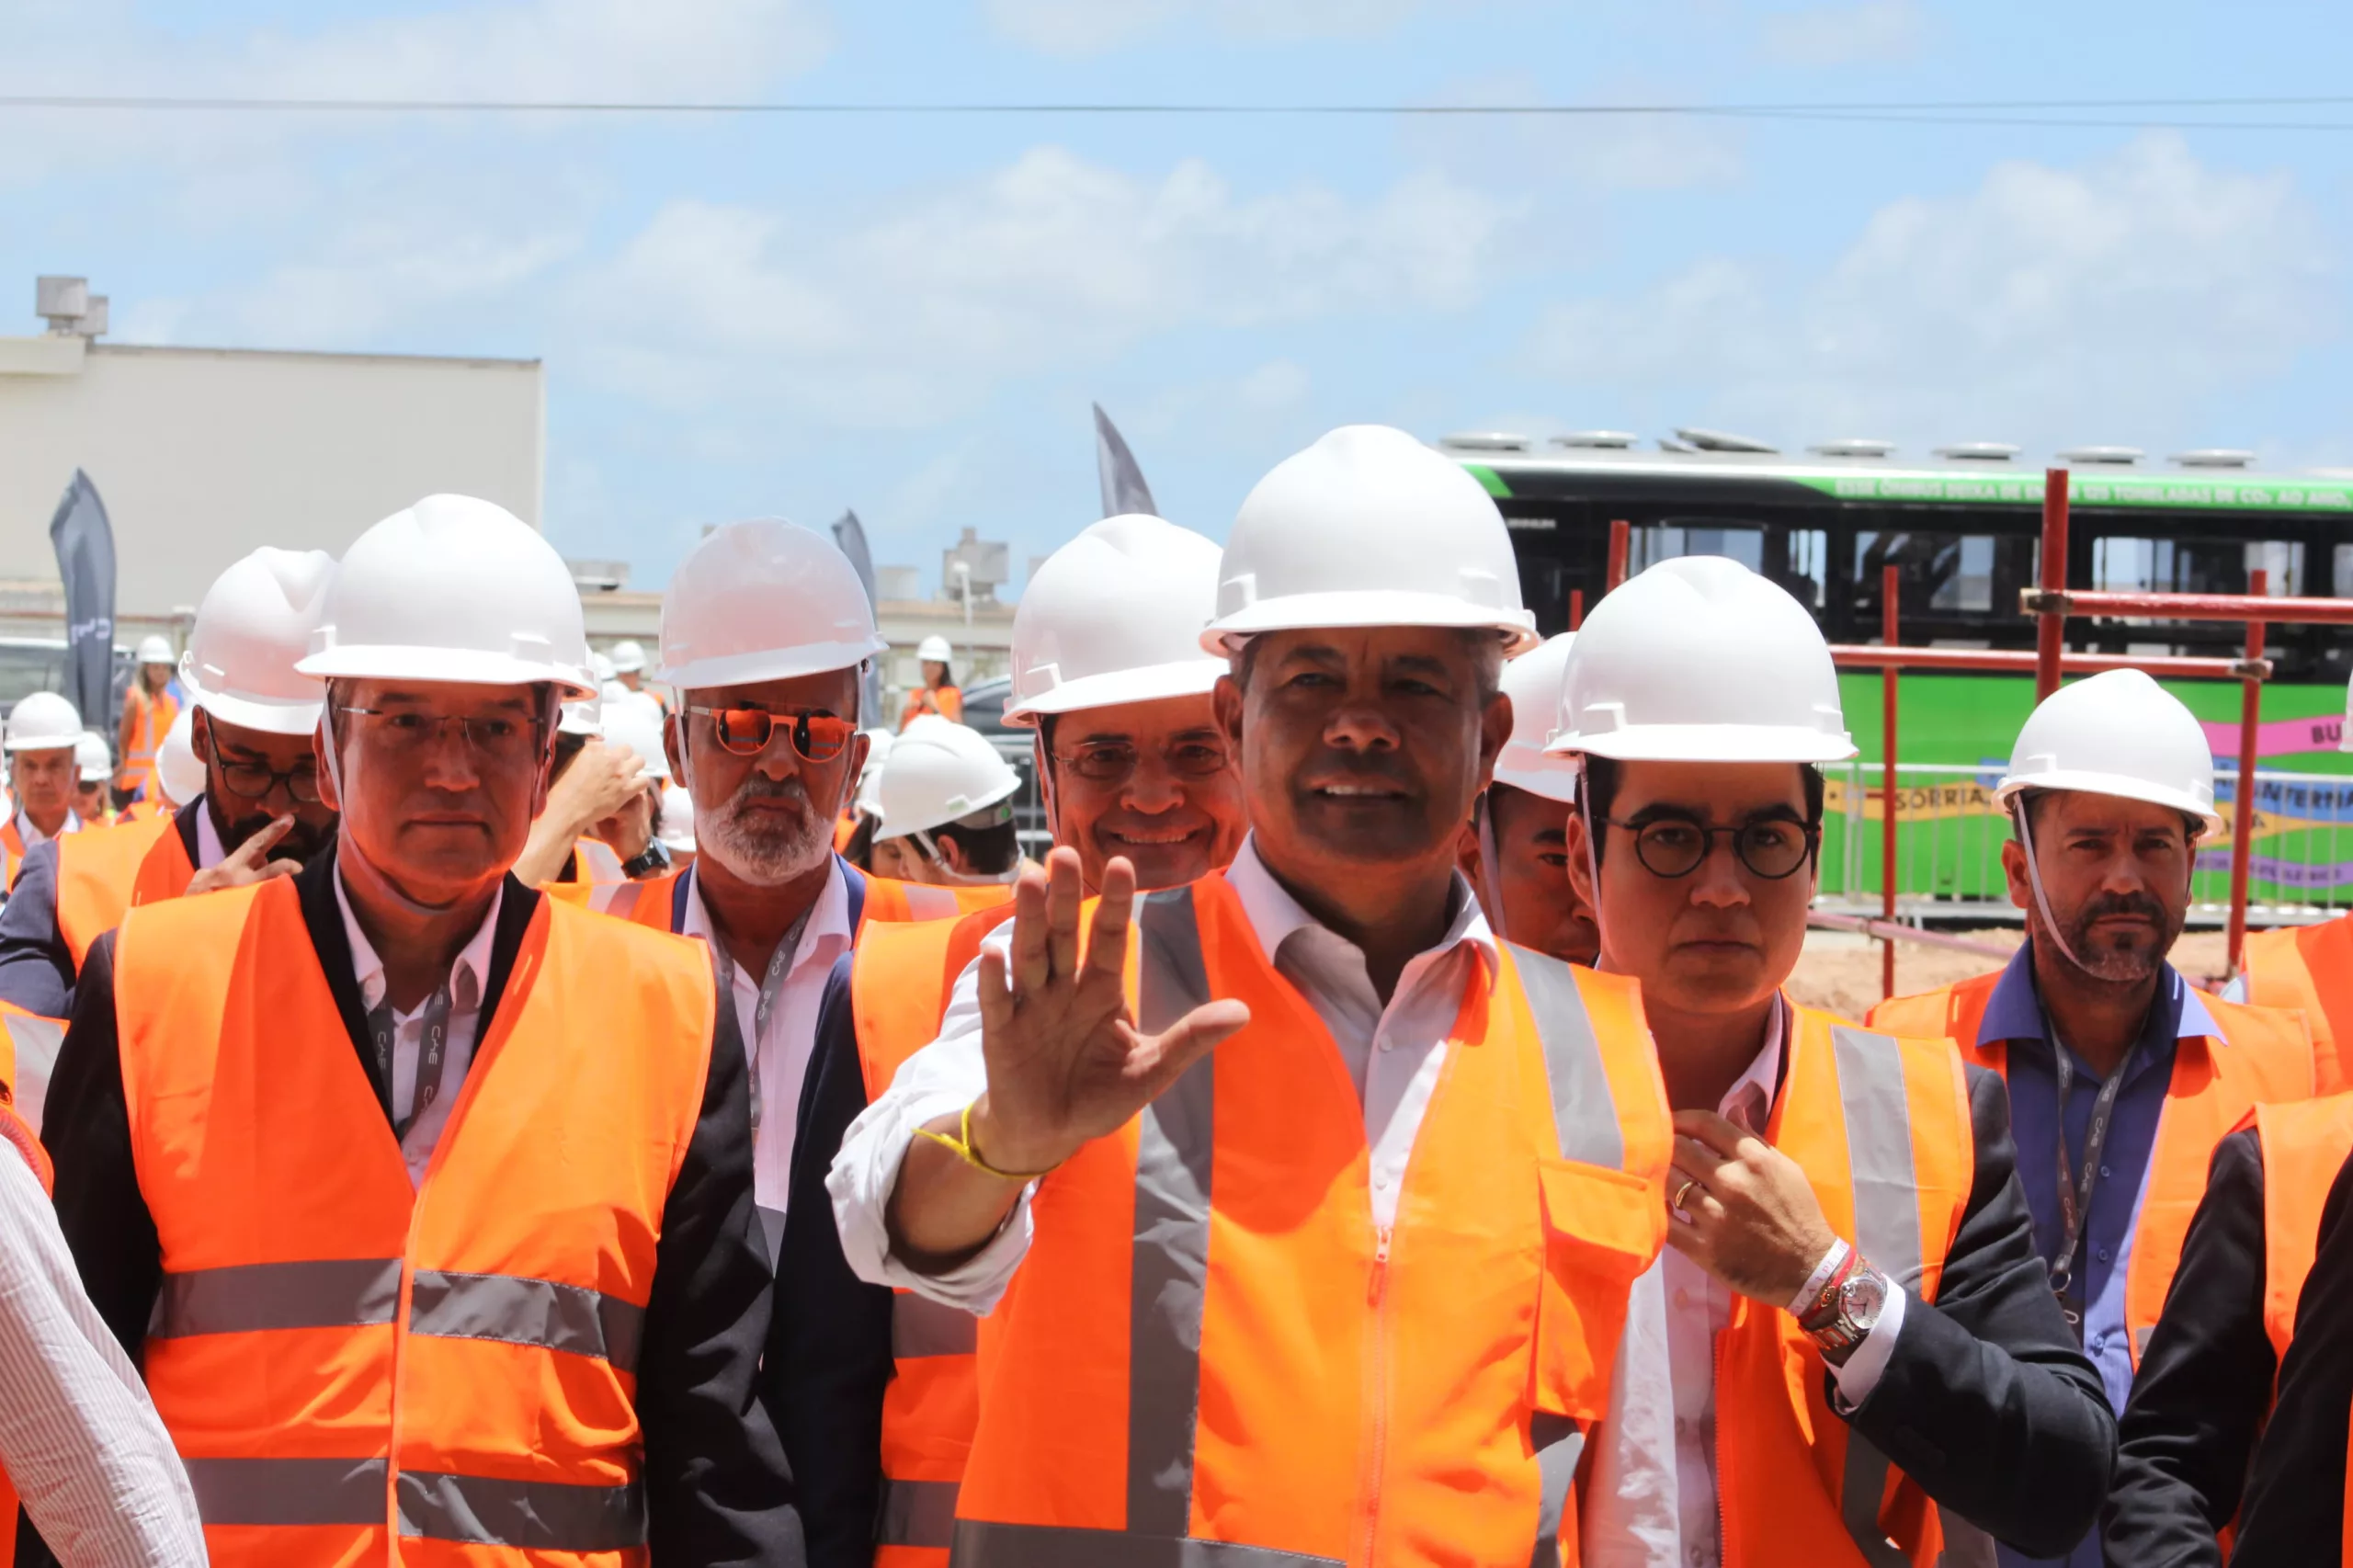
x,y
717,1488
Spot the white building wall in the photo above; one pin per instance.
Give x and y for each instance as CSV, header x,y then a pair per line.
x,y
204,455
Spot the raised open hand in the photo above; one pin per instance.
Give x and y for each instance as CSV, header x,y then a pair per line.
x,y
1066,1062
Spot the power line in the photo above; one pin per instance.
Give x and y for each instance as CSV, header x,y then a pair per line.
x,y
2043,114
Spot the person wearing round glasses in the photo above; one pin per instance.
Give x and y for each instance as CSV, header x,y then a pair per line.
x,y
260,813
1851,1340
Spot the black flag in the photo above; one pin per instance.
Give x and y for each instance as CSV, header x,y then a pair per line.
x,y
850,534
85,542
1124,490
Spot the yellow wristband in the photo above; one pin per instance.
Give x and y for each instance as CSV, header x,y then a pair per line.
x,y
961,1147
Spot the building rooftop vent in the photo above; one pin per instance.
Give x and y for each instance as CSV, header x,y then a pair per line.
x,y
1484,441
2215,457
69,307
1724,441
2113,456
1599,440
1979,451
1854,446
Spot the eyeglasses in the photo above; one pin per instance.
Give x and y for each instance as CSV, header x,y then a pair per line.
x,y
1115,762
746,731
252,782
498,737
1670,847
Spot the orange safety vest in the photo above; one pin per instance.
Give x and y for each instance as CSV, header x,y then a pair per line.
x,y
901,976
103,873
28,1046
154,722
2305,1145
2310,969
12,843
356,1370
1210,1342
1881,1125
2264,1053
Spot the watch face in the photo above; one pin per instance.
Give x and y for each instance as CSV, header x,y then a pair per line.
x,y
1860,1298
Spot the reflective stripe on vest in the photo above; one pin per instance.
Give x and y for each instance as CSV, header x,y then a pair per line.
x,y
468,1378
1173,1273
102,873
888,899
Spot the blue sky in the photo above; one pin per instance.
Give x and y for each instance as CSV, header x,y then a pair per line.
x,y
910,315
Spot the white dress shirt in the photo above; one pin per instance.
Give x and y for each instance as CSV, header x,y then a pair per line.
x,y
33,837
778,1055
1392,1053
1663,1395
209,851
78,1436
468,978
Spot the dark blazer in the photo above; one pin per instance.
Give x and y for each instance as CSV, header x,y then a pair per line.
x,y
36,966
1988,1401
717,1488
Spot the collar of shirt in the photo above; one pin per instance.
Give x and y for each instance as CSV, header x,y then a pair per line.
x,y
468,976
33,839
2014,1013
209,851
1750,1099
826,937
1275,916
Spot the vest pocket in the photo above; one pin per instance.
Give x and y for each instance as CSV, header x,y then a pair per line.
x,y
1602,1227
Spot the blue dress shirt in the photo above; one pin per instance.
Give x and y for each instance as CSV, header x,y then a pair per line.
x,y
2014,1014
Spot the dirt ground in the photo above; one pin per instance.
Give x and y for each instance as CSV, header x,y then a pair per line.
x,y
1840,972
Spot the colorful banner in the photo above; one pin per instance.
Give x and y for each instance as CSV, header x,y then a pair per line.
x,y
2277,737
2281,873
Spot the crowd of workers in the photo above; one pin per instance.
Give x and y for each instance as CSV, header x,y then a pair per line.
x,y
490,1118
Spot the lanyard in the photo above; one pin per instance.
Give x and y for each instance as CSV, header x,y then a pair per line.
x,y
771,986
432,1058
2075,1194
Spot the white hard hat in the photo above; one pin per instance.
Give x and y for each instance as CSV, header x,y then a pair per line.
x,y
934,649
764,600
1698,659
153,649
453,589
583,718
177,772
2119,733
253,627
628,657
870,778
676,825
937,772
602,668
92,758
42,720
1115,616
638,725
1532,681
1368,527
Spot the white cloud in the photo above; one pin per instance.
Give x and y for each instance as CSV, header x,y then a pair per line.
x,y
1873,31
2124,294
1080,27
1049,263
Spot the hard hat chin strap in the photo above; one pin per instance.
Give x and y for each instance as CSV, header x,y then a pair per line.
x,y
1592,852
2034,881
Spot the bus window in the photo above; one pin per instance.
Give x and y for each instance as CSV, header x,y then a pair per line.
x,y
1944,574
2197,565
1672,537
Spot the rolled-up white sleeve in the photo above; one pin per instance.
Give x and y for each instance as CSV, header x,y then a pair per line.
x,y
78,1436
942,1078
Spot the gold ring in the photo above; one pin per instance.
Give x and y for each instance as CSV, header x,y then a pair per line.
x,y
1681,1193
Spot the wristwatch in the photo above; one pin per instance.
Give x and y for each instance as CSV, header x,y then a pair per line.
x,y
1847,1313
653,862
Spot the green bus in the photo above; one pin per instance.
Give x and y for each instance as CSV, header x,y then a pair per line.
x,y
1962,528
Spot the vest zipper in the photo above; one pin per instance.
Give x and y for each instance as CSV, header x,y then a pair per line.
x,y
1715,1439
1376,1391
